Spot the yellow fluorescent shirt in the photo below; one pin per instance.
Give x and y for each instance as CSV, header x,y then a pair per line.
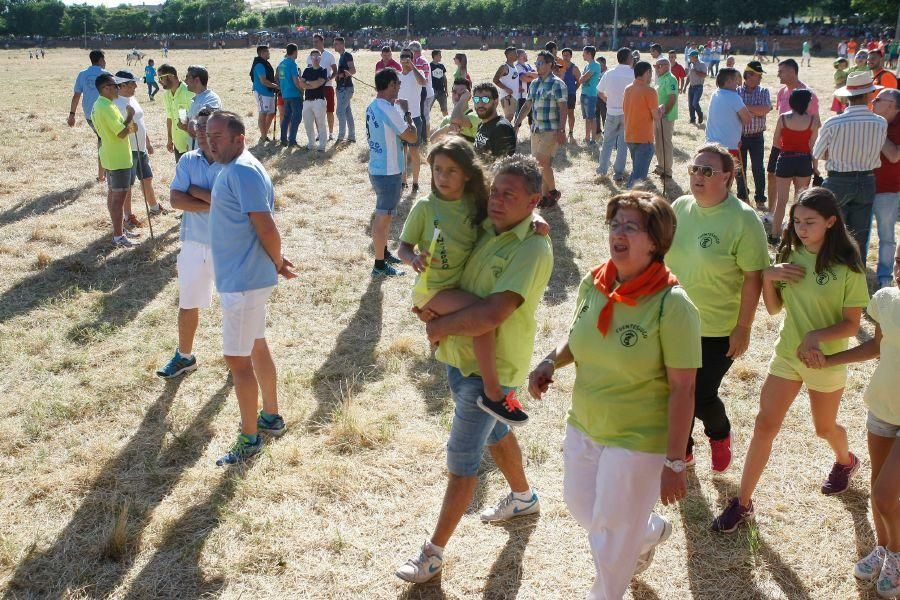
x,y
115,152
712,249
518,261
881,395
459,234
621,393
817,301
181,99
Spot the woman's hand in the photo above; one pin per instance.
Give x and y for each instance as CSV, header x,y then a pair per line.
x,y
540,226
738,341
786,272
809,352
541,378
672,486
420,262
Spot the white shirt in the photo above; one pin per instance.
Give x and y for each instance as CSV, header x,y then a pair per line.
x,y
511,80
327,61
853,140
612,85
121,102
411,91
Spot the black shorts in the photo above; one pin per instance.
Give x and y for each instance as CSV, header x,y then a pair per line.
x,y
773,159
793,164
140,162
572,101
441,99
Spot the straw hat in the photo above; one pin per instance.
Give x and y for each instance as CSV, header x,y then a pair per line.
x,y
858,83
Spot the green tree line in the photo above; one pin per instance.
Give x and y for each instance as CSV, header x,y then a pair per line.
x,y
52,18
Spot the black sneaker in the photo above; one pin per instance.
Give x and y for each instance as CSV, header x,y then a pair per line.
x,y
415,188
391,259
700,119
774,240
508,410
762,204
732,516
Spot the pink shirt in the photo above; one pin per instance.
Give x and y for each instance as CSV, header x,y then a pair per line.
x,y
784,94
393,64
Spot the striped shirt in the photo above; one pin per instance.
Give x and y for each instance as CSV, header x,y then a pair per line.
x,y
758,96
852,140
546,94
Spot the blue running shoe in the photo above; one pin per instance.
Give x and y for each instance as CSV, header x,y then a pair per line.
x,y
242,450
273,424
178,366
387,271
391,259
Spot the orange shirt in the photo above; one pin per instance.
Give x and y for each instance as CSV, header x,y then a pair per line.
x,y
851,48
885,78
639,104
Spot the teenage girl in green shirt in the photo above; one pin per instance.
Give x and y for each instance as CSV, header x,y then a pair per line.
x,y
820,282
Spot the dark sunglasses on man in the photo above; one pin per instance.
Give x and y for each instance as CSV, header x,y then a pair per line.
x,y
704,170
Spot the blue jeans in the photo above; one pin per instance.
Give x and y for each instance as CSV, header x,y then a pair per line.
x,y
886,207
855,195
613,135
152,88
695,92
388,189
290,120
344,114
472,428
641,155
754,146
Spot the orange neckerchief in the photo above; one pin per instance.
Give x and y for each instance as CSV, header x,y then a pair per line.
x,y
654,278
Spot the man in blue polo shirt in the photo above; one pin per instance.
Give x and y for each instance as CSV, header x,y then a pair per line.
x,y
86,91
247,259
289,81
264,88
386,128
191,191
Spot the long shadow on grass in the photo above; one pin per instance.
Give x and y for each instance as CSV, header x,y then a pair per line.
x,y
425,591
130,279
505,578
43,205
642,591
351,362
722,565
430,376
143,473
565,276
856,502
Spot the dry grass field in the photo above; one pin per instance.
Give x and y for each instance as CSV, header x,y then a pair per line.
x,y
109,487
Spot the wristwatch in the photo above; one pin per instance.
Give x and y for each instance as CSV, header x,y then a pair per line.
x,y
676,466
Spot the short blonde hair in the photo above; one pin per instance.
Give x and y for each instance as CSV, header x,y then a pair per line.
x,y
657,216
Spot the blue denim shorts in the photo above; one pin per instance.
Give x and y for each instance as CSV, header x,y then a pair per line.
x,y
387,192
881,428
472,428
588,107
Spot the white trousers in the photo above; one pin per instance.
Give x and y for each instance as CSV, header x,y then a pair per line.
x,y
314,114
611,493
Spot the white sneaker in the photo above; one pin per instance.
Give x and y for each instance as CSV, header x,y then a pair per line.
x,y
868,568
122,242
421,568
511,507
888,584
646,559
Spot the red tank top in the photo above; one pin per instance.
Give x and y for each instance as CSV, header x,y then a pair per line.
x,y
793,140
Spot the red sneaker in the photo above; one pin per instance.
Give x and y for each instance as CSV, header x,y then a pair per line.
x,y
721,454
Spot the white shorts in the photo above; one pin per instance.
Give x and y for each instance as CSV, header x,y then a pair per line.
x,y
265,104
806,55
195,275
243,320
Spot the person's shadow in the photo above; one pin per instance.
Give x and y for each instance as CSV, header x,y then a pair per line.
x,y
565,275
352,360
505,577
43,205
85,554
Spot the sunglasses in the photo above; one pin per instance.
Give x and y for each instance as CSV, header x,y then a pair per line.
x,y
626,227
703,170
539,63
482,99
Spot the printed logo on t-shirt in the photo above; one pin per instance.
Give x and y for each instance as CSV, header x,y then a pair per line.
x,y
708,239
825,276
630,334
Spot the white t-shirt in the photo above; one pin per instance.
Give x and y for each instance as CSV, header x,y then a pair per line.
x,y
411,91
121,102
612,85
327,61
511,80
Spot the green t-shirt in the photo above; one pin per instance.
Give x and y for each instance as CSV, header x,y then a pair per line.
x,y
470,130
840,77
518,261
182,98
712,249
805,48
816,302
666,87
115,152
621,393
459,233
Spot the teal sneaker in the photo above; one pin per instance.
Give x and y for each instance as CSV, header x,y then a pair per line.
x,y
273,424
178,365
387,271
242,450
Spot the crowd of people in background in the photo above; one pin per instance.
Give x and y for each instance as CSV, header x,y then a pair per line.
x,y
656,328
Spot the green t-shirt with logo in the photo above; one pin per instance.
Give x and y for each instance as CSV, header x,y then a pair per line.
x,y
817,301
621,393
666,87
182,98
712,249
458,235
115,152
518,261
468,131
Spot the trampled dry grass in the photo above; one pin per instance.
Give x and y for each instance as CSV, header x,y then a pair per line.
x,y
109,487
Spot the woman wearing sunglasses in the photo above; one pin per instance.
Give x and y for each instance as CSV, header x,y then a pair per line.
x,y
635,342
718,255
